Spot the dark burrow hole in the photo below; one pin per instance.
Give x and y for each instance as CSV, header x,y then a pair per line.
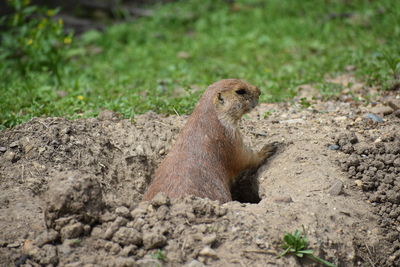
x,y
245,190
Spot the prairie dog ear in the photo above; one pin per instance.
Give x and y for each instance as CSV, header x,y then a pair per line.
x,y
221,99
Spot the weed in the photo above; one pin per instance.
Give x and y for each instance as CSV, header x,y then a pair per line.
x,y
159,255
33,41
304,103
297,244
268,113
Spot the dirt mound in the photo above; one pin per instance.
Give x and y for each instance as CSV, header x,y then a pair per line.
x,y
71,190
373,162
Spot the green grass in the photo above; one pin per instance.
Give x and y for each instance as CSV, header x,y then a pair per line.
x,y
277,45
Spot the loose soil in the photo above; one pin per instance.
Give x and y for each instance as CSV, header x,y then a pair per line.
x,y
70,192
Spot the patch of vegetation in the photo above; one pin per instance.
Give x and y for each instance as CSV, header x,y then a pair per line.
x,y
159,255
297,244
163,62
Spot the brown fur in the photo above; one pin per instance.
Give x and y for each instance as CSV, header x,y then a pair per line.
x,y
209,152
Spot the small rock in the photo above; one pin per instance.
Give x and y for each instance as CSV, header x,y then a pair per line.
x,y
10,156
46,255
148,262
396,162
107,217
358,183
382,110
140,150
138,212
46,237
86,229
97,232
127,236
161,152
210,239
72,231
112,247
21,260
397,113
282,199
373,117
208,252
125,262
153,240
14,144
195,263
333,147
128,250
160,199
3,149
394,104
14,245
336,188
122,211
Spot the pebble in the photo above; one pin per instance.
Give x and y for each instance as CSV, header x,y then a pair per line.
x,y
384,110
122,211
14,245
160,199
336,188
10,156
72,231
146,262
140,150
209,240
127,236
358,183
46,237
282,199
14,144
3,149
195,263
373,117
153,240
333,147
394,104
208,252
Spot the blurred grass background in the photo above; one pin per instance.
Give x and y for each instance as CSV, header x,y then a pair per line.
x,y
163,62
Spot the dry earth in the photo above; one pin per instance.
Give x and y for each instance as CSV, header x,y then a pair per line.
x,y
70,192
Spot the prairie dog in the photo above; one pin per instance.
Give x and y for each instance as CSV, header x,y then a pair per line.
x,y
209,152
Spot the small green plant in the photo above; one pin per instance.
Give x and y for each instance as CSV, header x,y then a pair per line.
x,y
297,244
33,40
159,255
268,113
304,103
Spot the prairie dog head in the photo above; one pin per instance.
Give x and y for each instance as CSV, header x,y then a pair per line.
x,y
233,98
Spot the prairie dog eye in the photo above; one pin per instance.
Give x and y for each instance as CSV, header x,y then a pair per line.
x,y
241,91
221,98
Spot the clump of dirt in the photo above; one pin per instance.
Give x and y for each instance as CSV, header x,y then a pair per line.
x,y
373,162
70,192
